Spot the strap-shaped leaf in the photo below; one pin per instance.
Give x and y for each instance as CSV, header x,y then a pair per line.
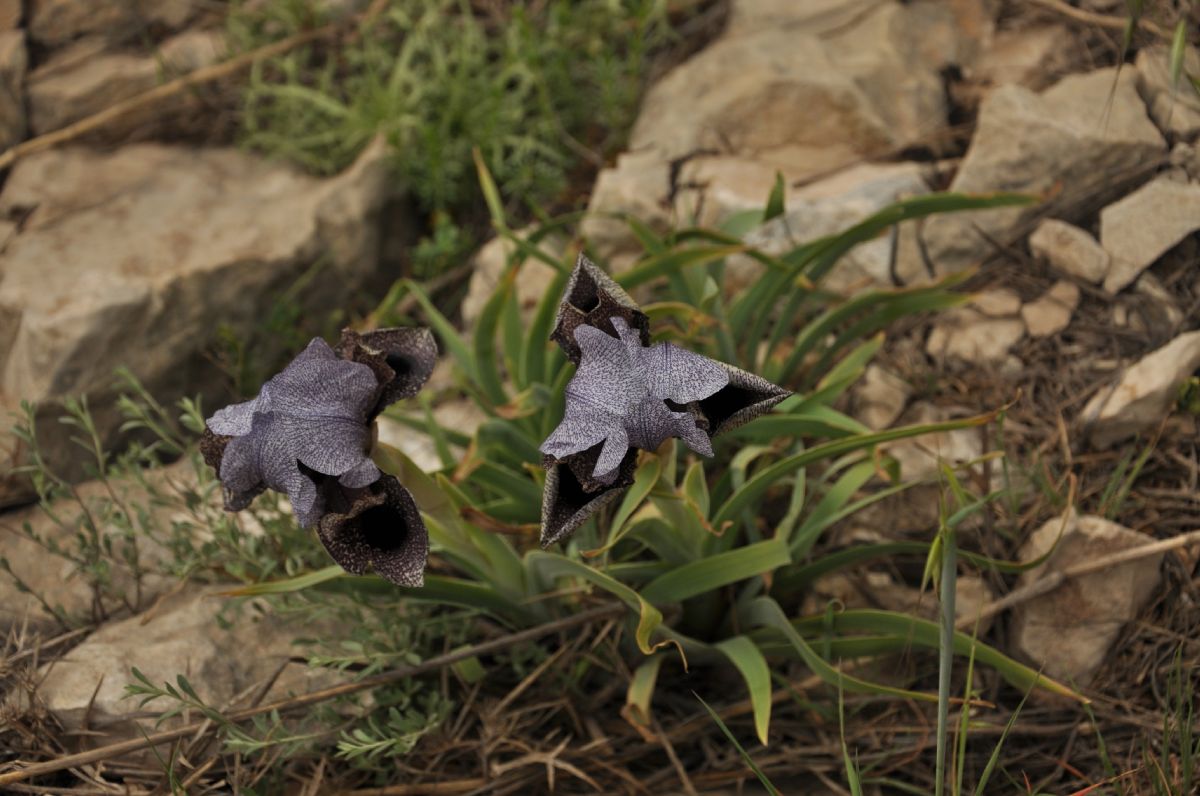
x,y
743,654
706,574
762,481
553,565
765,612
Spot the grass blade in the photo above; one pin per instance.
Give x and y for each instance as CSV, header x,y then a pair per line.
x,y
749,660
766,783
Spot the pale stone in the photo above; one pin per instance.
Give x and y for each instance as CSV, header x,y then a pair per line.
x,y
1071,250
1145,225
53,23
1081,139
1144,393
26,533
921,457
183,635
10,14
1174,108
1068,632
712,188
970,336
999,302
137,257
489,264
829,207
13,61
638,186
70,87
763,91
1051,313
881,397
814,17
1029,57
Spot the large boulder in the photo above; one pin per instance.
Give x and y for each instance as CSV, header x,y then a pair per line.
x,y
1145,225
225,651
13,61
140,256
82,80
1144,393
53,23
800,88
1080,143
10,14
1174,108
1067,632
829,207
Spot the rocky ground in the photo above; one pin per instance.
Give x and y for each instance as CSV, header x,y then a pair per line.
x,y
1085,320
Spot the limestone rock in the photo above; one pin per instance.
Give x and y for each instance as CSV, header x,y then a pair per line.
x,y
1175,109
1030,57
1061,140
971,336
814,17
1069,630
638,185
53,578
10,14
768,91
488,267
919,457
790,84
1145,225
711,188
881,397
180,636
1051,313
53,23
73,86
136,257
997,302
13,60
1071,250
828,207
1144,394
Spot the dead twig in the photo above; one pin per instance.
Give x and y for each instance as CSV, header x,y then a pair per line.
x,y
314,697
1053,580
1100,20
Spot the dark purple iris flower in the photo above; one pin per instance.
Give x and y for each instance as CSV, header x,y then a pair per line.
x,y
308,434
627,395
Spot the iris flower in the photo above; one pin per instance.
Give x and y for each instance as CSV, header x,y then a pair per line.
x,y
627,395
308,434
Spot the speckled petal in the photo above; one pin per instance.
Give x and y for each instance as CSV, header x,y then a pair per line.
x,y
566,504
402,359
592,298
235,420
581,428
608,377
745,397
377,528
329,445
317,384
365,474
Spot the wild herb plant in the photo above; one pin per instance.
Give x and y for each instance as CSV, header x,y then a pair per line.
x,y
537,87
723,546
710,556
